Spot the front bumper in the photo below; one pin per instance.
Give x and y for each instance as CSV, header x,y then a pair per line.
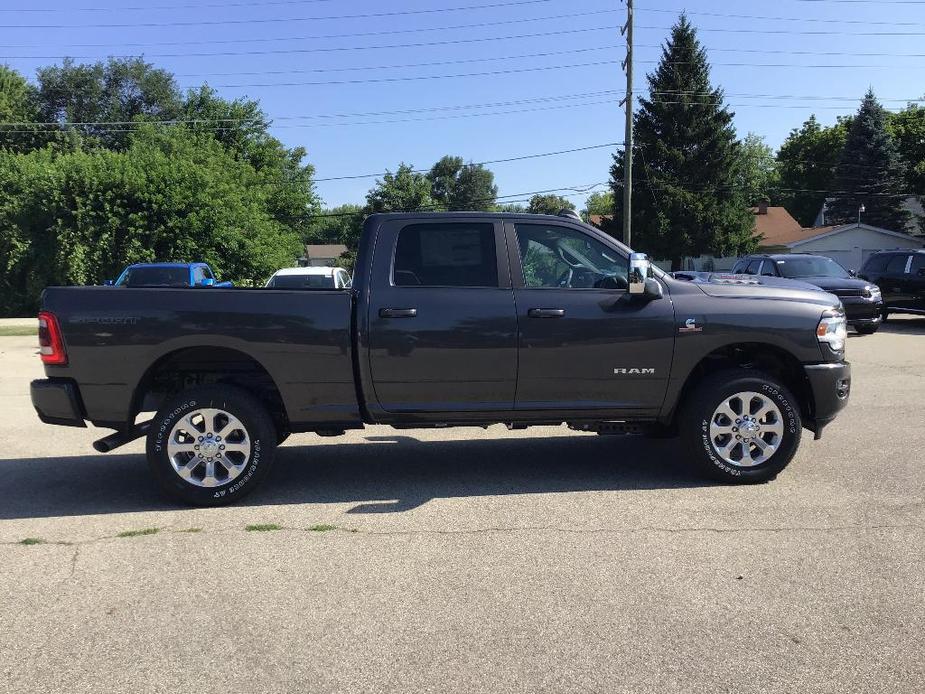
x,y
861,311
57,401
830,385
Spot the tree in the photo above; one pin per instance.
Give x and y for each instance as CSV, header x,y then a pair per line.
x,y
806,167
908,130
687,162
403,191
459,186
80,217
341,224
870,173
17,107
119,91
759,178
599,203
549,204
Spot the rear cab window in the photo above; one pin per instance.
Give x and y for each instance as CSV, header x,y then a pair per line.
x,y
446,254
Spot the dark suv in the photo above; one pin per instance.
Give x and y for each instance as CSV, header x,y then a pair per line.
x,y
861,299
901,274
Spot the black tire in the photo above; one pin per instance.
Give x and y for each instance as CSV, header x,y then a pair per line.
x,y
705,400
867,329
883,316
249,469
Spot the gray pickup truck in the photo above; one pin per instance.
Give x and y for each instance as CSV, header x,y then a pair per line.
x,y
454,319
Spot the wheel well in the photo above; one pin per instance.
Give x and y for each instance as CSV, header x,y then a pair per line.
x,y
195,366
751,355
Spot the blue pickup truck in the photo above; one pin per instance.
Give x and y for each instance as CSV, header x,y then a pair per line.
x,y
167,275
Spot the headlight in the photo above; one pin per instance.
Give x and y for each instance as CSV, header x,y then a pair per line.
x,y
872,291
833,329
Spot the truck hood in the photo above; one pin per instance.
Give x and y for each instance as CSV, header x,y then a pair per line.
x,y
834,283
757,287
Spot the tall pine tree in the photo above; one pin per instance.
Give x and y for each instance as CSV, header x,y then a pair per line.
x,y
870,173
687,197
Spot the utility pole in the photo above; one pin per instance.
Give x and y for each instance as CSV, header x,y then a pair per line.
x,y
627,31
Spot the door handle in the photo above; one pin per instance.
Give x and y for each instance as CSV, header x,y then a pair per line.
x,y
398,312
546,312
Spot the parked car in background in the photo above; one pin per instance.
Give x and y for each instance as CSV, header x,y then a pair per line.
x,y
310,278
168,275
901,276
861,298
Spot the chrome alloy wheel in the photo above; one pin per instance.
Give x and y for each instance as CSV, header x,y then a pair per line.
x,y
209,447
746,429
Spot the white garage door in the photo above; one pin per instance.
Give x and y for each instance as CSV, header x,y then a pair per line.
x,y
850,260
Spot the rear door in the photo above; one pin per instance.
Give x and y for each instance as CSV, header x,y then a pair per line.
x,y
585,344
914,283
442,324
893,282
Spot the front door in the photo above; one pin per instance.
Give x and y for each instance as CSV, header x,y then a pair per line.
x,y
442,325
585,343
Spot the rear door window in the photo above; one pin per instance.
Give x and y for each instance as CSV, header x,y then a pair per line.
x,y
446,255
876,263
918,263
897,264
752,267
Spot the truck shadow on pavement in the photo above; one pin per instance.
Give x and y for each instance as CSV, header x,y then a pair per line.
x,y
905,325
388,474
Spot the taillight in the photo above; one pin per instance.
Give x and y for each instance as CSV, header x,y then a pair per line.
x,y
51,345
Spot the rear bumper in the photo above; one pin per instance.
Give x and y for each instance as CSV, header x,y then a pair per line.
x,y
830,385
57,401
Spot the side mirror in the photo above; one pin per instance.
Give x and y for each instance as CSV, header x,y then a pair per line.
x,y
640,269
108,283
207,282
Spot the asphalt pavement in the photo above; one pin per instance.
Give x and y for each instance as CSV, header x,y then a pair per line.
x,y
470,560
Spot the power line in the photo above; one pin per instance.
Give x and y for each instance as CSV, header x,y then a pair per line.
x,y
149,8
366,68
484,163
781,19
332,49
277,20
319,37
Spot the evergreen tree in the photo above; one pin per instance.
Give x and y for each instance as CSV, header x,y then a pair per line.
x,y
687,162
870,173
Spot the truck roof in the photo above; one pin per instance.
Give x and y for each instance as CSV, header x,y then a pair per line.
x,y
325,270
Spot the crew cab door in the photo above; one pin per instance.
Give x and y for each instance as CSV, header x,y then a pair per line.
x,y
585,343
442,324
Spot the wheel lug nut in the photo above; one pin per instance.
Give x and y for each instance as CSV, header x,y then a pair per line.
x,y
200,438
733,428
196,446
222,447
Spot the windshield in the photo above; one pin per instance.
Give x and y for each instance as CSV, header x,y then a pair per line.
x,y
811,267
301,282
154,277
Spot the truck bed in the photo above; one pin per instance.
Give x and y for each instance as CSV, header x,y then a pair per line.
x,y
118,337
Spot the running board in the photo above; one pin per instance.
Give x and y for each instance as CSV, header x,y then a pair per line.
x,y
611,428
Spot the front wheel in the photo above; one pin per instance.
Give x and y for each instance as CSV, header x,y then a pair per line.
x,y
867,329
211,445
742,426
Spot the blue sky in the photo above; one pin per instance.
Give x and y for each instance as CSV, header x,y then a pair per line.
x,y
777,66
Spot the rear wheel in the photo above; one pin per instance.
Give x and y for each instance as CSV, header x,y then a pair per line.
x,y
211,445
742,426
